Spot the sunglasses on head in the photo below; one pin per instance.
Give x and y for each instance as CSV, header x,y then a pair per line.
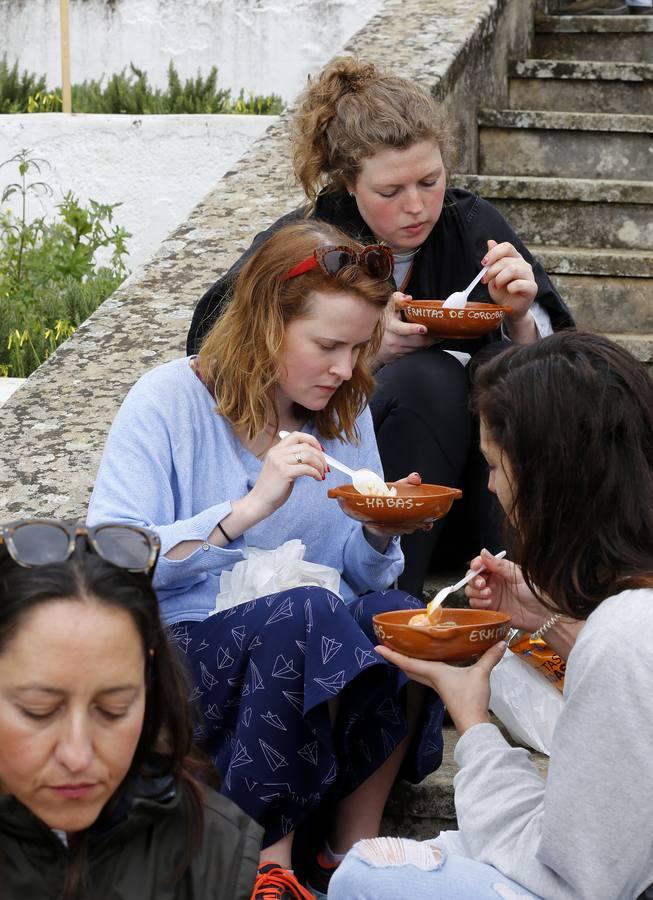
x,y
39,542
377,260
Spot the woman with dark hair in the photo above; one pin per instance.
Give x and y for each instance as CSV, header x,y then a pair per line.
x,y
567,430
297,711
371,152
101,792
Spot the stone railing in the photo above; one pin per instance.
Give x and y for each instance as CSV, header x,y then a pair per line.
x,y
54,427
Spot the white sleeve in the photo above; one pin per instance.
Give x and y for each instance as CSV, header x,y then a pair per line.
x,y
542,322
585,834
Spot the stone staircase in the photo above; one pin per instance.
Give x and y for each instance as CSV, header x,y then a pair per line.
x,y
570,165
593,37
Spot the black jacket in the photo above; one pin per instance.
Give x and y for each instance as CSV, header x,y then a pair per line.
x,y
447,261
132,856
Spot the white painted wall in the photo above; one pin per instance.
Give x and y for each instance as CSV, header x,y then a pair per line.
x,y
158,167
264,46
8,386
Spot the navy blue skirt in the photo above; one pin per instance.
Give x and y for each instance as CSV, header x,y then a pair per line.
x,y
264,673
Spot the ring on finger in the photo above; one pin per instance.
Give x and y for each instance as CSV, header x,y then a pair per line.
x,y
298,457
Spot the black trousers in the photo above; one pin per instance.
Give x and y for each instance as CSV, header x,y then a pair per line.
x,y
424,424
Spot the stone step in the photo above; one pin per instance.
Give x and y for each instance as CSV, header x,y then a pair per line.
x,y
626,38
609,305
598,261
607,290
582,212
587,86
571,144
421,811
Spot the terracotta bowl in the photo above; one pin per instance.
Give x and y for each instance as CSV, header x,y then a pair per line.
x,y
473,321
473,632
414,503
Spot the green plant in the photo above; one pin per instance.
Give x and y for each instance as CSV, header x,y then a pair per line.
x,y
50,280
42,102
130,92
17,232
255,104
16,89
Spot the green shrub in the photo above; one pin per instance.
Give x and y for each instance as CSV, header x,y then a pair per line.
x,y
130,92
42,102
49,278
16,89
255,104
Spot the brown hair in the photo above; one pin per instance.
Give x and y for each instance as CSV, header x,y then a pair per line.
x,y
350,112
240,358
574,415
167,733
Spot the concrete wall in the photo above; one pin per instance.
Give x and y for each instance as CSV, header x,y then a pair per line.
x,y
157,167
54,427
8,386
264,46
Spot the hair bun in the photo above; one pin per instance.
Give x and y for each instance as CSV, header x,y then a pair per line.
x,y
352,74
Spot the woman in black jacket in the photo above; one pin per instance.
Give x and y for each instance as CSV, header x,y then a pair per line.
x,y
101,792
368,151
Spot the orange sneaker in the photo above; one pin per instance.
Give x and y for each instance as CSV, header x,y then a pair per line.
x,y
276,883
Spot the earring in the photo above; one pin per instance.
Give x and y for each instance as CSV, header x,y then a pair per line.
x,y
352,195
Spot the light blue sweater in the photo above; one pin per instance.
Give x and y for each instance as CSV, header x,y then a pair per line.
x,y
172,464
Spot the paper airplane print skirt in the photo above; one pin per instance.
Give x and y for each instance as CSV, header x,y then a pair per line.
x,y
268,677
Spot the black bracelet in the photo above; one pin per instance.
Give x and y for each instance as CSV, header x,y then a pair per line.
x,y
229,541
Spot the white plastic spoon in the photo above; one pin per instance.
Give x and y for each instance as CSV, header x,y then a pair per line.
x,y
444,592
459,298
364,480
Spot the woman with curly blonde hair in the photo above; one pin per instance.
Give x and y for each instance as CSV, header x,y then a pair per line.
x,y
294,705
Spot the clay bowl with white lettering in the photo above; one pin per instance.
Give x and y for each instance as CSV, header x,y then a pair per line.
x,y
471,321
460,635
414,504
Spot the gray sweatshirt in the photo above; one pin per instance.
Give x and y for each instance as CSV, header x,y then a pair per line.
x,y
587,832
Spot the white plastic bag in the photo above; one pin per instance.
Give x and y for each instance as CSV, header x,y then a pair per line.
x,y
526,703
266,572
